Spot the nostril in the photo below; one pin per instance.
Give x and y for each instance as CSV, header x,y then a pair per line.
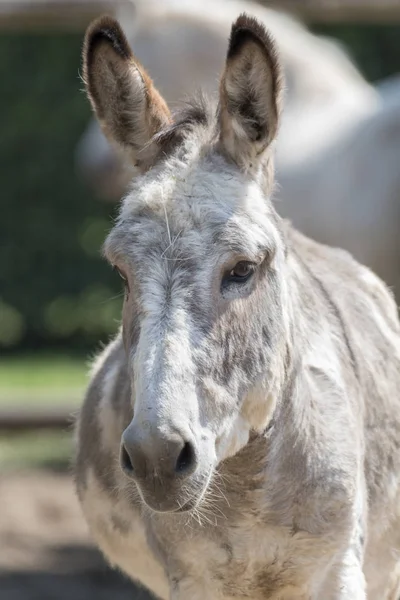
x,y
186,460
126,462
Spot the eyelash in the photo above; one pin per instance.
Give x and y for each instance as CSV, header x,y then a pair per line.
x,y
123,277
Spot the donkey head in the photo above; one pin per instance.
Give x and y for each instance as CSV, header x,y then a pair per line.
x,y
201,251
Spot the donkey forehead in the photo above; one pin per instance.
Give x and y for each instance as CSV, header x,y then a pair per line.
x,y
195,207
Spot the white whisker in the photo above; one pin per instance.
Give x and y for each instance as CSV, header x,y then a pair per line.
x,y
166,219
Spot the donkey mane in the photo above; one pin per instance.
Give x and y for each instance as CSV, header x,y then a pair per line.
x,y
194,112
201,111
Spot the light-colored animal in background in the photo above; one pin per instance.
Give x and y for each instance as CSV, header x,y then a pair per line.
x,y
357,184
240,436
182,43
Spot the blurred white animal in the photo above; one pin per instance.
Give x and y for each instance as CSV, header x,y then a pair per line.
x,y
183,44
349,195
339,146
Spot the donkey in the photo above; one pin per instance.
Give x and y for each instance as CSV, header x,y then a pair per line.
x,y
240,435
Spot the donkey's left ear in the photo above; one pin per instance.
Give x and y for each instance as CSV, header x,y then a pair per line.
x,y
251,92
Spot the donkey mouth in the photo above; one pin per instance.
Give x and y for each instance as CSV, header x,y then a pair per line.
x,y
176,508
174,505
178,500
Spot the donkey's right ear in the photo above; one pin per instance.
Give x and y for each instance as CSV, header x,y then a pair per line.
x,y
251,92
128,106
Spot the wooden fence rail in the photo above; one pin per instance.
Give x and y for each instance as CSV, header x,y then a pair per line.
x,y
16,420
44,15
76,14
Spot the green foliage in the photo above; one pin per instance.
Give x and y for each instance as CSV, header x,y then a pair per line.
x,y
55,290
36,449
42,378
375,49
54,286
11,325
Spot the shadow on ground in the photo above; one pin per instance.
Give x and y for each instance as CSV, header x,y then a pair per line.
x,y
75,573
45,549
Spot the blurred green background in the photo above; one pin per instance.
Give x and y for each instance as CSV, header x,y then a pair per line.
x,y
54,287
55,290
58,298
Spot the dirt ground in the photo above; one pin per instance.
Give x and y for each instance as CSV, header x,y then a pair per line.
x,y
45,549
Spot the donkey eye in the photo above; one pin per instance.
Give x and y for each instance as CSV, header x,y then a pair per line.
x,y
120,273
123,277
241,272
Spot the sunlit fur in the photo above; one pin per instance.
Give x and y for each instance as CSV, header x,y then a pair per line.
x,y
288,383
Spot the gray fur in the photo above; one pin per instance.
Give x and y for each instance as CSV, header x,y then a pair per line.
x,y
289,383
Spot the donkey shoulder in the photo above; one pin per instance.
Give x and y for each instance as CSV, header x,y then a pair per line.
x,y
369,321
349,284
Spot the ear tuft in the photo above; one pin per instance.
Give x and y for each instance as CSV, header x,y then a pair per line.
x,y
105,30
248,29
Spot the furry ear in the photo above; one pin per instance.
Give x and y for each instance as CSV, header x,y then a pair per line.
x,y
251,92
128,106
